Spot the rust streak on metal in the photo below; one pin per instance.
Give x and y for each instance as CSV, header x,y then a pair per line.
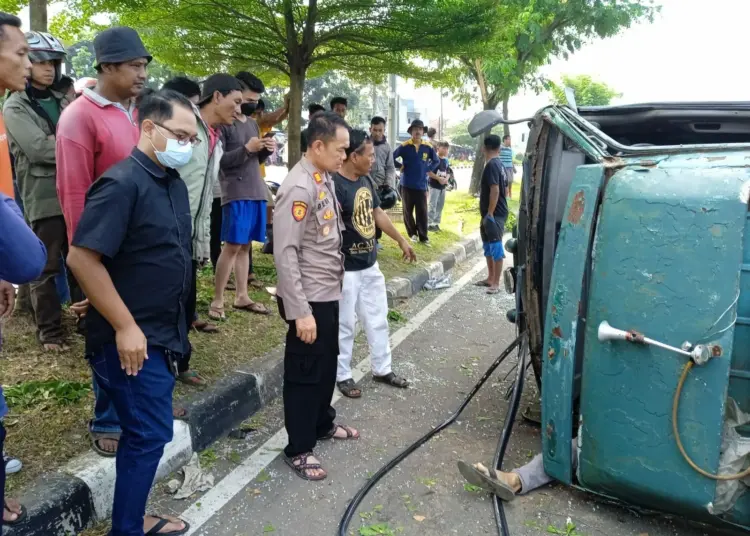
x,y
576,208
716,350
635,336
557,332
648,163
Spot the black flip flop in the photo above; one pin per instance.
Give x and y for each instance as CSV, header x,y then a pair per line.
x,y
347,386
392,380
481,284
163,523
476,477
21,517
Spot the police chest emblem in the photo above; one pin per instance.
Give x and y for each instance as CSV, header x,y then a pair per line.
x,y
322,195
326,230
299,210
328,214
362,218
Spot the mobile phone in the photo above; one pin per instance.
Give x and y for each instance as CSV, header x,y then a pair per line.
x,y
269,135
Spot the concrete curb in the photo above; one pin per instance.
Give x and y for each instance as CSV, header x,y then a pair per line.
x,y
69,500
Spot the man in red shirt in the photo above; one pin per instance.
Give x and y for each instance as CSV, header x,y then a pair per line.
x,y
96,131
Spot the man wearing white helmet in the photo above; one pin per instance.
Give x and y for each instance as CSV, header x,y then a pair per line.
x,y
31,118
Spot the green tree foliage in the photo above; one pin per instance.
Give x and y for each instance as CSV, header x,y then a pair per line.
x,y
530,34
82,63
288,40
588,91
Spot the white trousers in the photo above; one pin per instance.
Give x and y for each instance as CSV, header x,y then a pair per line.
x,y
364,298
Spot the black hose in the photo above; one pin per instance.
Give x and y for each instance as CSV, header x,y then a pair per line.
x,y
502,445
359,497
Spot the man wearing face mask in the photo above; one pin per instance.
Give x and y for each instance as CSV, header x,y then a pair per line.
x,y
219,104
243,200
310,268
131,253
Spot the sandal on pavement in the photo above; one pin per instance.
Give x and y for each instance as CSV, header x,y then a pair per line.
x,y
392,379
486,482
481,284
98,436
254,307
302,468
163,522
191,378
350,433
493,291
349,389
205,327
20,519
216,312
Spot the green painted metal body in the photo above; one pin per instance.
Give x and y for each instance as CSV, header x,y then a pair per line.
x,y
670,258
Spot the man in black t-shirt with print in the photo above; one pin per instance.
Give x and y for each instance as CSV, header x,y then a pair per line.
x,y
493,207
363,293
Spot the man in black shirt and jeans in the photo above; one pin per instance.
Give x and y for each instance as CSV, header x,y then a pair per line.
x,y
363,293
132,255
493,207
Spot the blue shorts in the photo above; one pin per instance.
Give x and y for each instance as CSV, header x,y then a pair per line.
x,y
243,222
494,250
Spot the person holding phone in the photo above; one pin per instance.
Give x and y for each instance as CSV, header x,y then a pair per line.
x,y
243,200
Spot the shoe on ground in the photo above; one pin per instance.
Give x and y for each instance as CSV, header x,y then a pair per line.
x,y
426,243
437,229
414,238
12,465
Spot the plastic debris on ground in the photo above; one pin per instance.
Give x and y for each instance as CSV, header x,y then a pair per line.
x,y
436,283
196,480
734,459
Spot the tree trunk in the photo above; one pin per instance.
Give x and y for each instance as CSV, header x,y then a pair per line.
x,y
476,171
506,128
294,124
38,15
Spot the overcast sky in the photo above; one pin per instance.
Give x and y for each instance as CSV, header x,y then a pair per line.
x,y
684,55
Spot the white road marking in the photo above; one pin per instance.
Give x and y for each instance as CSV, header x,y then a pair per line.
x,y
207,506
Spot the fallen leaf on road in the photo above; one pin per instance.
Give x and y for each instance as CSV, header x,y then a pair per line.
x,y
419,518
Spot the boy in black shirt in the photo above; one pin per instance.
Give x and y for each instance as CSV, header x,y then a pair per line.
x,y
364,295
493,207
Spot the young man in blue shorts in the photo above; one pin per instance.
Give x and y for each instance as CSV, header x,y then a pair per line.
x,y
493,207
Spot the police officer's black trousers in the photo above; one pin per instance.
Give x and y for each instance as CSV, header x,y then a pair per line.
x,y
309,380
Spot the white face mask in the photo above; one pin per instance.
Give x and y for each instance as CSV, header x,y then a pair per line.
x,y
174,155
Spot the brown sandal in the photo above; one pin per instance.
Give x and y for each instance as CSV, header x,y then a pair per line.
x,y
348,429
301,469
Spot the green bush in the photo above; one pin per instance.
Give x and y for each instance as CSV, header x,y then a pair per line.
x,y
510,222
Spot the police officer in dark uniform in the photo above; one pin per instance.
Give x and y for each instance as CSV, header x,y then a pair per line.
x,y
310,266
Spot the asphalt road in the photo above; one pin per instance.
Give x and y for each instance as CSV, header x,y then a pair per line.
x,y
448,344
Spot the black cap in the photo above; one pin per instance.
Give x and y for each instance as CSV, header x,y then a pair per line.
x,y
118,45
416,123
221,82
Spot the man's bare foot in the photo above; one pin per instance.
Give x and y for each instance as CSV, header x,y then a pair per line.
x,y
341,431
173,524
512,480
12,511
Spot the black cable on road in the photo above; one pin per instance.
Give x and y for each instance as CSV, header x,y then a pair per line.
x,y
359,497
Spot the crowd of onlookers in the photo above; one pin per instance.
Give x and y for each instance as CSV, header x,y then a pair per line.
x,y
136,189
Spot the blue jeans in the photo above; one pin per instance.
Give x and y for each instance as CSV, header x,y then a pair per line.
x,y
105,415
144,404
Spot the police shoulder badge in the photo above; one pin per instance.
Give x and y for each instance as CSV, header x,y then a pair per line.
x,y
317,177
299,210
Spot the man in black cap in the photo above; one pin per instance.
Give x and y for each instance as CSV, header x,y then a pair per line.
x,y
418,161
95,132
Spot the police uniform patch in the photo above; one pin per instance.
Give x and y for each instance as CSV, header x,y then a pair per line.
x,y
322,195
299,210
317,177
328,214
326,230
